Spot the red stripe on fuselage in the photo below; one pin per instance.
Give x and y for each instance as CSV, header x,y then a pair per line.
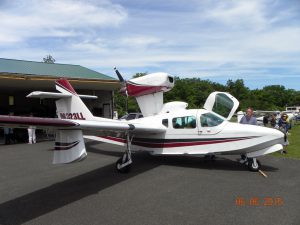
x,y
176,144
182,144
121,140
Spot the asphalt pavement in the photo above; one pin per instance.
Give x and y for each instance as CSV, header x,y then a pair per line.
x,y
158,190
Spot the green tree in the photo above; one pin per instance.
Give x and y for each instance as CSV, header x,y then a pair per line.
x,y
194,91
48,59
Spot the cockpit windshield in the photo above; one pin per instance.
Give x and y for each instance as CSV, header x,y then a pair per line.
x,y
210,120
223,105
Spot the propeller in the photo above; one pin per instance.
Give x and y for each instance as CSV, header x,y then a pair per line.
x,y
124,88
121,79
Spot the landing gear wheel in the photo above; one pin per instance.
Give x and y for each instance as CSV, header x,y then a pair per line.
x,y
210,158
253,165
123,164
124,169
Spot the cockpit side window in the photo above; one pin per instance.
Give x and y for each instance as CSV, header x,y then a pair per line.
x,y
165,122
185,122
210,120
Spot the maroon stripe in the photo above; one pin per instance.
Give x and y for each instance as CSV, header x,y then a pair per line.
x,y
183,144
58,148
176,144
121,140
65,84
138,90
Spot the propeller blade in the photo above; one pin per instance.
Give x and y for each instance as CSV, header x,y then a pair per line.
x,y
121,79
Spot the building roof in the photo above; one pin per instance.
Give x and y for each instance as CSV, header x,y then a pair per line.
x,y
31,68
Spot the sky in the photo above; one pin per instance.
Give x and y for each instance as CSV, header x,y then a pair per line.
x,y
254,40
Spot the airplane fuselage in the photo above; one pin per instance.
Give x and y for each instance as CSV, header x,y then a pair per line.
x,y
202,132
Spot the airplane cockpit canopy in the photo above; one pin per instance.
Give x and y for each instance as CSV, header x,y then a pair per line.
x,y
210,120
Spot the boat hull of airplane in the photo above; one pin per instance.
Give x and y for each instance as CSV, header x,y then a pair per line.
x,y
226,142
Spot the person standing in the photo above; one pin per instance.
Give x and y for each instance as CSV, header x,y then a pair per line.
x,y
249,118
8,135
283,125
31,133
266,120
273,121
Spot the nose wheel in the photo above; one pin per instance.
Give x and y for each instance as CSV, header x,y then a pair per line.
x,y
253,164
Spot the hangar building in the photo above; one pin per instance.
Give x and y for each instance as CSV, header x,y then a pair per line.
x,y
18,78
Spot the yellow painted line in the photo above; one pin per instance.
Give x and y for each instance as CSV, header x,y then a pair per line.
x,y
262,173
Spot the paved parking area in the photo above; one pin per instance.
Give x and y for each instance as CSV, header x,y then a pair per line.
x,y
158,190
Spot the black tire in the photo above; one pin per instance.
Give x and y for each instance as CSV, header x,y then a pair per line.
x,y
252,167
210,158
124,169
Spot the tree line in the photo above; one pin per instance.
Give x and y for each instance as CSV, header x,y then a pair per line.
x,y
194,91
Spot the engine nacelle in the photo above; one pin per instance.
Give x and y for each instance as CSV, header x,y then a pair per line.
x,y
149,84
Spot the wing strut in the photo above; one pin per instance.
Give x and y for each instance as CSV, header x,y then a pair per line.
x,y
123,165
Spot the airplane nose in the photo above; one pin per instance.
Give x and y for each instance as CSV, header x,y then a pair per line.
x,y
277,134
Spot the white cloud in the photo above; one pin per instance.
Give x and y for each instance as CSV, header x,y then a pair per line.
x,y
139,41
92,46
55,18
211,38
239,14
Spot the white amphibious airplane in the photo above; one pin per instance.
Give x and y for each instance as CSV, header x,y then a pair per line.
x,y
165,129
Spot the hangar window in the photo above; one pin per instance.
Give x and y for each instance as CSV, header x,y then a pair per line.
x,y
210,120
185,122
11,100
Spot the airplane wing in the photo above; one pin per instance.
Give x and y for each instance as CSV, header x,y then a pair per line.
x,y
55,123
25,122
74,118
69,144
115,125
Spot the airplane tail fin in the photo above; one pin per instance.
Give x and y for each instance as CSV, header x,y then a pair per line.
x,y
71,107
69,143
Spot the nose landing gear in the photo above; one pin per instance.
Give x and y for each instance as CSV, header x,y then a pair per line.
x,y
253,164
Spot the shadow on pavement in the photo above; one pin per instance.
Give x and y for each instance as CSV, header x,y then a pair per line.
x,y
38,203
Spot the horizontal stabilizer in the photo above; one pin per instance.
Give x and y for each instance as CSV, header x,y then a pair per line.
x,y
88,96
41,94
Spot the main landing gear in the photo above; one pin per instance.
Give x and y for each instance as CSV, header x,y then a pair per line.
x,y
123,164
252,163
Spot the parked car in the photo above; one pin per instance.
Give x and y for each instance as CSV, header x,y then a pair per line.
x,y
131,116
